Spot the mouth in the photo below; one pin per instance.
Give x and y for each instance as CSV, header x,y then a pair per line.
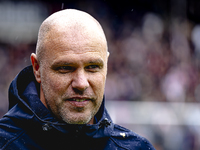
x,y
78,99
79,102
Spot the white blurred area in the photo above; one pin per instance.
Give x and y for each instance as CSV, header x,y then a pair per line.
x,y
153,84
168,125
20,21
154,113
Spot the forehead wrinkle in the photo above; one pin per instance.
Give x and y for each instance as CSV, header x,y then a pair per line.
x,y
86,56
76,39
68,62
71,48
66,44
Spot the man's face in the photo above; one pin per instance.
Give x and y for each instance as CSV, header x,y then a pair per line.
x,y
73,74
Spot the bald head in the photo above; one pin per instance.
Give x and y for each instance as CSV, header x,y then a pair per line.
x,y
68,23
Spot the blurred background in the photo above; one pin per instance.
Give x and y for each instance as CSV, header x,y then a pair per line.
x,y
153,84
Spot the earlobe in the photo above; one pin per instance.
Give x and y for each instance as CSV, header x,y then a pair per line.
x,y
36,67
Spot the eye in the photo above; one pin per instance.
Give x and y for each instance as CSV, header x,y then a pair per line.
x,y
65,69
93,68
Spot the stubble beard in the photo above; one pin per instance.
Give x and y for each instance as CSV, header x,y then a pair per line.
x,y
77,117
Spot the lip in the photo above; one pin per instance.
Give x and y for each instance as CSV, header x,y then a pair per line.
x,y
79,101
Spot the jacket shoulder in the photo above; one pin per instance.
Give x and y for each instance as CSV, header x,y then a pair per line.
x,y
130,140
8,132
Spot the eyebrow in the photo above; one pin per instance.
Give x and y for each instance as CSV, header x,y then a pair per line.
x,y
63,62
97,61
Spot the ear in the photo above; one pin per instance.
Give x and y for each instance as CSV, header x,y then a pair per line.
x,y
36,67
108,54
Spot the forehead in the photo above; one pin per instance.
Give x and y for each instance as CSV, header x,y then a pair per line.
x,y
72,46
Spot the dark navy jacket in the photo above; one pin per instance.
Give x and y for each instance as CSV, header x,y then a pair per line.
x,y
29,125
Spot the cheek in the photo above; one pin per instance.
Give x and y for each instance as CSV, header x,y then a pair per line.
x,y
55,83
98,84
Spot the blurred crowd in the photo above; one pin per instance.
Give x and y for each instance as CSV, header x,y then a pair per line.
x,y
152,57
156,61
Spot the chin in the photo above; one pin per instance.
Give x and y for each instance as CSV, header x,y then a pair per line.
x,y
77,120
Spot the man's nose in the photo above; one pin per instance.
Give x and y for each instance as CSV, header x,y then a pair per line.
x,y
80,81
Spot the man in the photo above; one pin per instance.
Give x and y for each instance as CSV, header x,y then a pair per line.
x,y
58,103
